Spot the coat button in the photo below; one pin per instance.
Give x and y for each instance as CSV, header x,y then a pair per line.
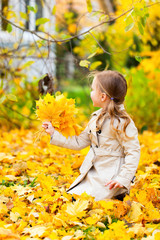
x,y
89,131
96,146
99,131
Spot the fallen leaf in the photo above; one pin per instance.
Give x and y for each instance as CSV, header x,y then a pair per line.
x,y
8,235
35,231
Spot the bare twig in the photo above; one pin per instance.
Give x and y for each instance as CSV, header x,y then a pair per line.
x,y
99,44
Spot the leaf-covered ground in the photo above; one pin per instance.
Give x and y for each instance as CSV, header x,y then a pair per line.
x,y
34,204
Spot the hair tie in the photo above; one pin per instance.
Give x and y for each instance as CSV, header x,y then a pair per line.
x,y
112,98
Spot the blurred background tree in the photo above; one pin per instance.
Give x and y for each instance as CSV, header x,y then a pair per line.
x,y
69,39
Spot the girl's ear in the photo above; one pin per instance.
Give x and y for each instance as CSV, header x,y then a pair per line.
x,y
103,97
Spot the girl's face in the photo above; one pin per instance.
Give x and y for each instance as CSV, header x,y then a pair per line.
x,y
96,94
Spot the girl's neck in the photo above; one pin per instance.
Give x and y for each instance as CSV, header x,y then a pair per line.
x,y
105,104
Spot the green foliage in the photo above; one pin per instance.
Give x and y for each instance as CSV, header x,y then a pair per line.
x,y
17,106
12,97
54,10
2,99
24,15
138,14
138,58
82,96
33,182
94,65
7,183
30,8
89,48
42,21
84,63
27,64
140,27
129,27
143,102
9,27
89,5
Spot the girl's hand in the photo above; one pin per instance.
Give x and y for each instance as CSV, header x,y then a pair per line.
x,y
113,184
48,127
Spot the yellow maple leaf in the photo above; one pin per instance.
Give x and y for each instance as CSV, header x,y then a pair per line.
x,y
93,219
107,205
3,209
53,236
138,230
7,234
77,208
14,216
35,231
60,111
157,235
135,211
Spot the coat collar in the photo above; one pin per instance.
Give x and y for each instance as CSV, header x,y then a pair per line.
x,y
96,113
93,124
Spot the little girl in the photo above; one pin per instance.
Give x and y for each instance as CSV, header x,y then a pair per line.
x,y
110,165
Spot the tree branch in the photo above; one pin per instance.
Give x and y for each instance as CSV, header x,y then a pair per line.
x,y
99,44
75,36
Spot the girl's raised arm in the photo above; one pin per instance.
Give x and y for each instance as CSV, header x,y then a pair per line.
x,y
74,142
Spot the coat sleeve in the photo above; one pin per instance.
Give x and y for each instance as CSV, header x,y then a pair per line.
x,y
131,148
74,142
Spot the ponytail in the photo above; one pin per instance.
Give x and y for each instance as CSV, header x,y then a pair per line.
x,y
114,85
114,112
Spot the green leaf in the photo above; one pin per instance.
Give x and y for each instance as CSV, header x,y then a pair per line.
x,y
84,63
92,55
143,20
33,182
9,27
95,13
68,15
103,17
32,9
139,12
41,21
57,93
138,58
27,64
42,76
30,52
25,183
89,5
54,10
94,65
128,20
129,27
24,15
140,27
2,99
12,97
140,8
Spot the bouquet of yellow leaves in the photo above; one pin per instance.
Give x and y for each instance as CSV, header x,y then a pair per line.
x,y
60,111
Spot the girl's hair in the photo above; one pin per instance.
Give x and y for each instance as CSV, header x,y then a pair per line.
x,y
114,85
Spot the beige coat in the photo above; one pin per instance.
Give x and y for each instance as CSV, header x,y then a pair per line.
x,y
109,157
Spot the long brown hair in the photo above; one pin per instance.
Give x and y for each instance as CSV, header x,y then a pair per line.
x,y
114,85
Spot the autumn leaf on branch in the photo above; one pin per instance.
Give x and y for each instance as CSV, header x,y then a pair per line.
x,y
60,111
